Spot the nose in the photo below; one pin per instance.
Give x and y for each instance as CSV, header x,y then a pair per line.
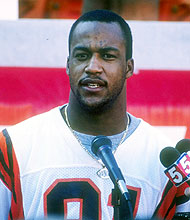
x,y
94,66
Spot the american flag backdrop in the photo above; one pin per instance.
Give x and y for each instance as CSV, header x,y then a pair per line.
x,y
33,79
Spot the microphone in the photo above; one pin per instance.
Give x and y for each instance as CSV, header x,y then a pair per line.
x,y
168,156
173,160
177,165
183,146
101,147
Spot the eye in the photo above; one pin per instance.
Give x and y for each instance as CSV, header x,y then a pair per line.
x,y
81,56
108,56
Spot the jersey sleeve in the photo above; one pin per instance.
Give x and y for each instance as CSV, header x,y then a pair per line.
x,y
10,192
172,198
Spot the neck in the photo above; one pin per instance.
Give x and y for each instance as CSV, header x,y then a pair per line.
x,y
109,122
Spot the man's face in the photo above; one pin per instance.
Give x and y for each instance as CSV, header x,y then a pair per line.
x,y
97,65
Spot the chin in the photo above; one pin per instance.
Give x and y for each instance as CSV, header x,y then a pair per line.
x,y
96,107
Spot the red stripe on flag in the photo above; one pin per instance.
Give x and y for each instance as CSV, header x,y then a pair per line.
x,y
159,88
161,97
27,91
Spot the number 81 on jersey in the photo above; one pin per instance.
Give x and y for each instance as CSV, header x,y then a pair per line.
x,y
179,172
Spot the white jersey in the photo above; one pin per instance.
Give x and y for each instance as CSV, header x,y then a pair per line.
x,y
44,171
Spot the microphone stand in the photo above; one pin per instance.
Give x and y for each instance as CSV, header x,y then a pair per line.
x,y
121,204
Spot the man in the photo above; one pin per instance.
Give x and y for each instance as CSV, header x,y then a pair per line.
x,y
46,163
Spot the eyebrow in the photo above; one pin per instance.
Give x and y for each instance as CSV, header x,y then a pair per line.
x,y
104,49
81,48
107,49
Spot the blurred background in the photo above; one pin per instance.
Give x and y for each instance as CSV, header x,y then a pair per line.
x,y
33,45
162,10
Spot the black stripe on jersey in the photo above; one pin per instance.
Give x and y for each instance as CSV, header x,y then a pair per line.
x,y
181,199
9,169
2,178
4,163
170,207
2,160
10,215
167,189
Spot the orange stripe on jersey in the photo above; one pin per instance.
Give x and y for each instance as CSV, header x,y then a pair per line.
x,y
10,176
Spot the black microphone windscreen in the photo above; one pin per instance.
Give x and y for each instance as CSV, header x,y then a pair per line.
x,y
99,141
183,145
168,156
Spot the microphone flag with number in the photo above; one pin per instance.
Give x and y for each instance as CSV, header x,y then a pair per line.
x,y
179,172
177,162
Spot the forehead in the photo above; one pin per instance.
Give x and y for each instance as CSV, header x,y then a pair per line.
x,y
95,32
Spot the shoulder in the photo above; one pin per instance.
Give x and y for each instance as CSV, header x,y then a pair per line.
x,y
143,132
33,130
35,124
33,137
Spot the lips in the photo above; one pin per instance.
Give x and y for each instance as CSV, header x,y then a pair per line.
x,y
93,84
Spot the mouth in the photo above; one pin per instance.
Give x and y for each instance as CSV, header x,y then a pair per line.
x,y
92,84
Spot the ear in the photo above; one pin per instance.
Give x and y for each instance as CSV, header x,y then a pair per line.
x,y
130,68
67,67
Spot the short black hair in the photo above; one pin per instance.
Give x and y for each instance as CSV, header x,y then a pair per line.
x,y
108,17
